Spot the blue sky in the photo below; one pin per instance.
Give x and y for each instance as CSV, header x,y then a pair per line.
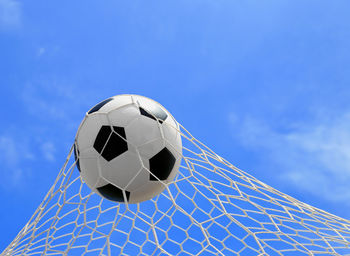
x,y
265,84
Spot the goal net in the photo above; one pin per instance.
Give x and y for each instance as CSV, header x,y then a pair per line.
x,y
211,208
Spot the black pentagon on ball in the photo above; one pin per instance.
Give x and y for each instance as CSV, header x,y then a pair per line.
x,y
76,157
113,193
155,113
111,143
99,105
161,164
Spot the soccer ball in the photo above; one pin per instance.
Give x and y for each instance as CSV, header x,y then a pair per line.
x,y
128,148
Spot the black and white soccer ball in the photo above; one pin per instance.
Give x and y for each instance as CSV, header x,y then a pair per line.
x,y
128,148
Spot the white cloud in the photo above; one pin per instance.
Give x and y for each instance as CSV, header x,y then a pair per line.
x,y
55,99
10,14
45,99
41,51
48,149
8,150
12,154
314,156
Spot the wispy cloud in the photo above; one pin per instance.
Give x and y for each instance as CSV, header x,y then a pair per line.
x,y
41,51
40,102
314,156
12,155
48,149
54,98
10,14
8,149
54,110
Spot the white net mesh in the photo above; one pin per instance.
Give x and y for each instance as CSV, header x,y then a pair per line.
x,y
212,208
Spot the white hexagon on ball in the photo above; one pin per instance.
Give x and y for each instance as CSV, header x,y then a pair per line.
x,y
128,148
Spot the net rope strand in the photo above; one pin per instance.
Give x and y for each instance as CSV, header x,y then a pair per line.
x,y
211,208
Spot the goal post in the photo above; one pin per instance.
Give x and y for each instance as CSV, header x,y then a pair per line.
x,y
211,208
